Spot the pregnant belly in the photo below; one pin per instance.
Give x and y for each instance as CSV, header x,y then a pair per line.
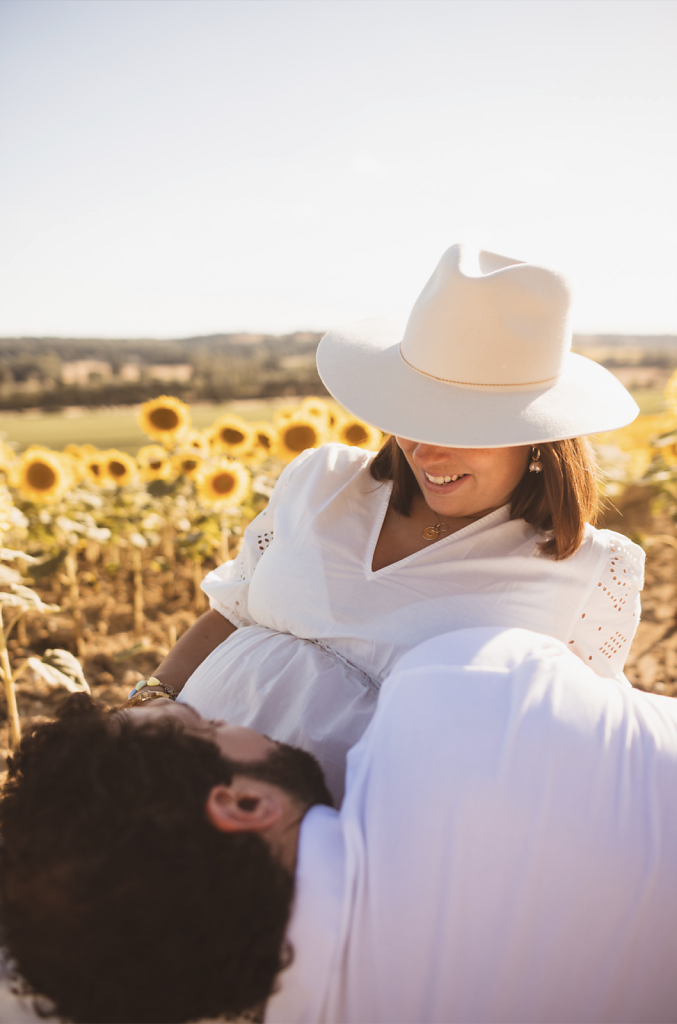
x,y
291,689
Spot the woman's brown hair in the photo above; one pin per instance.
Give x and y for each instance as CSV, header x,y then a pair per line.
x,y
558,501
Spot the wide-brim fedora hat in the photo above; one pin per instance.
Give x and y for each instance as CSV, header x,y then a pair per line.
x,y
485,361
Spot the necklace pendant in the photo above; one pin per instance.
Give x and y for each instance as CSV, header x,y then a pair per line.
x,y
433,532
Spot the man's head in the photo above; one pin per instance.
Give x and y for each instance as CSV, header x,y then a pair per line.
x,y
148,861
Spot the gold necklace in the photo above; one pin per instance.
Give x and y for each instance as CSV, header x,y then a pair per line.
x,y
433,532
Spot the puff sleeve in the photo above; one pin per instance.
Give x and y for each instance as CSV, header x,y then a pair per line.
x,y
608,620
227,586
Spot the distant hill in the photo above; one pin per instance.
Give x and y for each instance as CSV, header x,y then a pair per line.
x,y
58,372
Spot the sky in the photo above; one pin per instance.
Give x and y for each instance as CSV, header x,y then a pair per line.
x,y
171,168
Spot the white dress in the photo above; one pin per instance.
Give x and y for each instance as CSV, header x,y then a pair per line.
x,y
318,630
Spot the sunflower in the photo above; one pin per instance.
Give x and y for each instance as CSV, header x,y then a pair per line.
x,y
165,419
79,451
667,446
154,462
92,465
317,409
299,433
74,467
285,415
225,484
669,453
353,431
640,433
265,442
7,458
198,441
671,392
6,511
40,475
187,462
230,435
118,467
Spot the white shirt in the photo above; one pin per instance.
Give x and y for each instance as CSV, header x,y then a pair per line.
x,y
505,851
319,630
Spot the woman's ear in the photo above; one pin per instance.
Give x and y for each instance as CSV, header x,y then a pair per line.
x,y
247,805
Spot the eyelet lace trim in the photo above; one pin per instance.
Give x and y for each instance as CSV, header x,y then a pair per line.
x,y
263,540
614,602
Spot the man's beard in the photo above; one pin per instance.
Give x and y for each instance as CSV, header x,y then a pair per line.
x,y
293,770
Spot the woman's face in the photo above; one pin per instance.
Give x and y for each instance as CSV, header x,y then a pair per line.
x,y
465,482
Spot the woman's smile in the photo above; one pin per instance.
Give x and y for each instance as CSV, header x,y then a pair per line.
x,y
465,483
441,484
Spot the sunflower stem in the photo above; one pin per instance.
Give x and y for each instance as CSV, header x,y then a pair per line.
x,y
168,545
171,635
21,635
138,591
10,692
224,550
197,589
71,567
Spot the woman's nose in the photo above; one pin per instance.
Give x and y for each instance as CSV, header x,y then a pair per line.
x,y
430,454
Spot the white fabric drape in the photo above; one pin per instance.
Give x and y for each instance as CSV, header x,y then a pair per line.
x,y
505,851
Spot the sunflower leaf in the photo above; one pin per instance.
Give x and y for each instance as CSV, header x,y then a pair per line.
x,y
9,555
60,668
13,601
31,599
161,488
8,576
48,566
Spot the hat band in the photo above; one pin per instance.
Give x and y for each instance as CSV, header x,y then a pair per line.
x,y
494,387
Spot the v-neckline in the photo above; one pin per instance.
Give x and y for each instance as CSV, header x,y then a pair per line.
x,y
379,520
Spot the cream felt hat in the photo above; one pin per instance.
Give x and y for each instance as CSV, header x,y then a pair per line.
x,y
484,361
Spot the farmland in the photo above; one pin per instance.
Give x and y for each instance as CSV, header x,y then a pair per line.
x,y
114,427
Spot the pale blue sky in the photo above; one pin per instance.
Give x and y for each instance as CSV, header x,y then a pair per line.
x,y
174,167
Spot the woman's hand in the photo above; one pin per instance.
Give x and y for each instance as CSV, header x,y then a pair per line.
x,y
204,636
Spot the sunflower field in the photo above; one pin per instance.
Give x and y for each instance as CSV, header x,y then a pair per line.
x,y
105,552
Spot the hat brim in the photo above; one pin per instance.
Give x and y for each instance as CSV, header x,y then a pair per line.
x,y
362,368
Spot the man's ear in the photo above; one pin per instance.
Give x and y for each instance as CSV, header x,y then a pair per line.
x,y
247,805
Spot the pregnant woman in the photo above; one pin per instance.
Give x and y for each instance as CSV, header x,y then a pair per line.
x,y
476,511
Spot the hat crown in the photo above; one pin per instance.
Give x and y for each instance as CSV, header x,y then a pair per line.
x,y
488,320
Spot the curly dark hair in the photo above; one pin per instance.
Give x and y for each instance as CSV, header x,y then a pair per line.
x,y
120,901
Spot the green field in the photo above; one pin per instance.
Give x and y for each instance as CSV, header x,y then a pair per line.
x,y
117,428
649,400
114,428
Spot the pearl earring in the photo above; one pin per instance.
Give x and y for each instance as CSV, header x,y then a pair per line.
x,y
535,466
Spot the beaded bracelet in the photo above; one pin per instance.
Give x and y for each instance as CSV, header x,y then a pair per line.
x,y
143,683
